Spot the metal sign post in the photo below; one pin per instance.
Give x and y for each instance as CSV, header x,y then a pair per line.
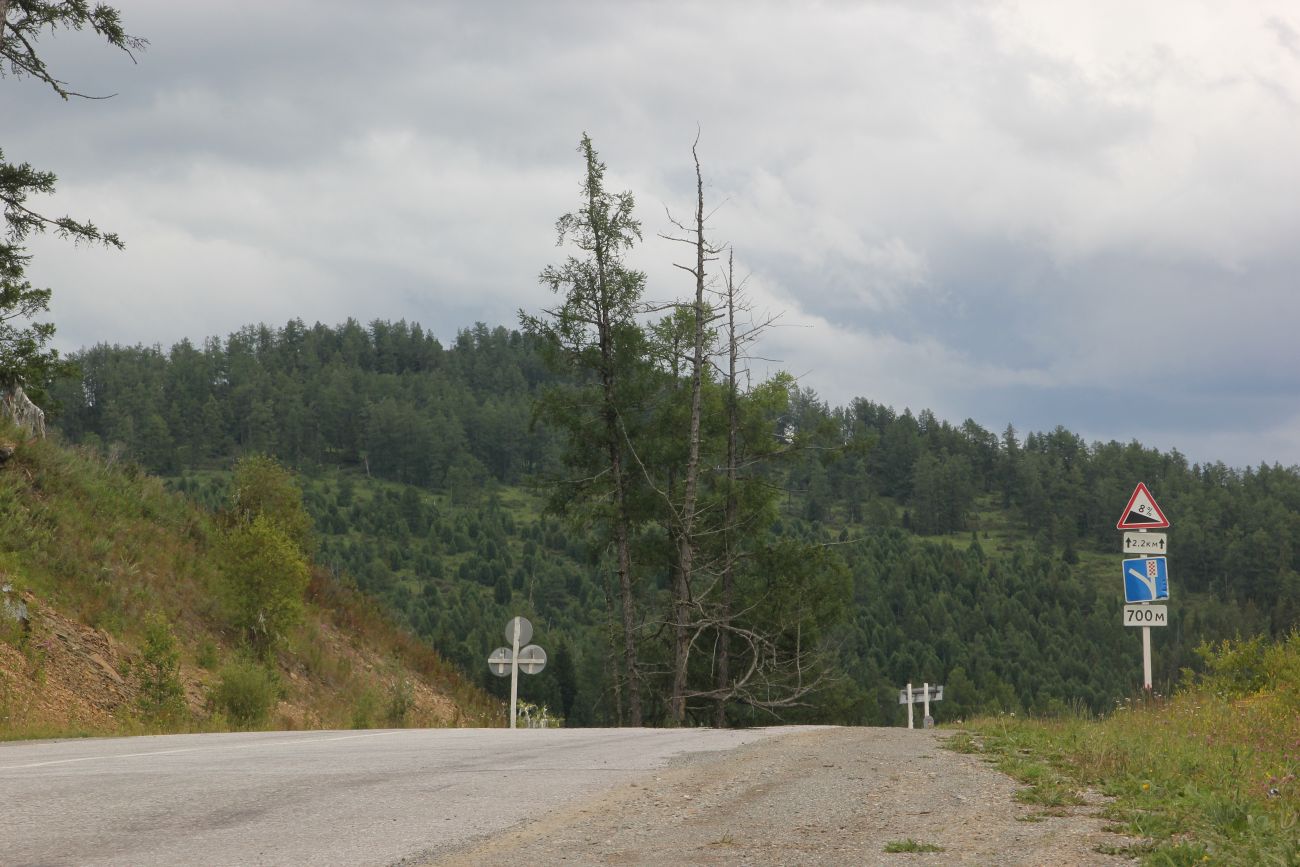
x,y
510,660
1146,658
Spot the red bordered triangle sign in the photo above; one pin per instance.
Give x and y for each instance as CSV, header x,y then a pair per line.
x,y
1142,513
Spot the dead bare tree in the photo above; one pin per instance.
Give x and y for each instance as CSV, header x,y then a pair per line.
x,y
683,574
723,668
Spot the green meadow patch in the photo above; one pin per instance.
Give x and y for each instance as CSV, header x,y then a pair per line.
x,y
910,845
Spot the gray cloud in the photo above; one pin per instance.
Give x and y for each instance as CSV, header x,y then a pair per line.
x,y
1007,211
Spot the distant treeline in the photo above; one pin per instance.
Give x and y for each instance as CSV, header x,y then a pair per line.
x,y
387,398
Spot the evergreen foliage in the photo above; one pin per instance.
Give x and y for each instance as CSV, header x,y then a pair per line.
x,y
594,337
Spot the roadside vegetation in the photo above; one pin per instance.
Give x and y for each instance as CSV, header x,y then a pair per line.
x,y
130,609
1208,776
910,845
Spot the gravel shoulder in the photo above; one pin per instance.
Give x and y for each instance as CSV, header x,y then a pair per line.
x,y
822,796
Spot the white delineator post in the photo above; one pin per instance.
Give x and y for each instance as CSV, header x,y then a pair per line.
x,y
909,706
926,717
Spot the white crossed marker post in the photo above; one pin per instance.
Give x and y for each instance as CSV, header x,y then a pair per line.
x,y
510,660
925,694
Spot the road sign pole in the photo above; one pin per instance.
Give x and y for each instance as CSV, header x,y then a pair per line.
x,y
909,706
1146,658
511,659
514,674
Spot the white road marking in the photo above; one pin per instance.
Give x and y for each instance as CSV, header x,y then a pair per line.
x,y
195,749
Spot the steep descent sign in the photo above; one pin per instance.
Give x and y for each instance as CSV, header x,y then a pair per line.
x,y
1142,513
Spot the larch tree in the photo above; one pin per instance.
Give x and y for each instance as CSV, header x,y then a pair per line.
x,y
594,334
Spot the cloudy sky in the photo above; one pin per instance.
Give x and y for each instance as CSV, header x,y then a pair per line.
x,y
1033,213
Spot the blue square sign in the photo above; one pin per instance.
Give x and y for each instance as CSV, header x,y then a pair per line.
x,y
1146,579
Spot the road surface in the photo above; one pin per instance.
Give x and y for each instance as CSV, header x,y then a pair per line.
x,y
472,797
318,798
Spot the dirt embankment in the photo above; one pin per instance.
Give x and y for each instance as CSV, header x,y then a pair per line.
x,y
60,676
834,796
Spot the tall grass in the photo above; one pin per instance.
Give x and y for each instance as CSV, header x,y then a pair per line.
x,y
1209,776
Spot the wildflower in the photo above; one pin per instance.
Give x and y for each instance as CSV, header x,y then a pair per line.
x,y
1146,786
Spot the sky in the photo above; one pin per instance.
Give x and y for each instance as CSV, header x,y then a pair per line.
x,y
1067,213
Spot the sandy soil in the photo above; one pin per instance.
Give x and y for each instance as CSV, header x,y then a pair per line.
x,y
826,796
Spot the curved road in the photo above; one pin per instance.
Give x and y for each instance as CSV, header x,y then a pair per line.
x,y
284,798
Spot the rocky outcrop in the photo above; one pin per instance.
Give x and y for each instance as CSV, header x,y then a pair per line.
x,y
16,406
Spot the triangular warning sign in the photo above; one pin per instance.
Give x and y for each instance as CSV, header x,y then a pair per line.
x,y
1142,513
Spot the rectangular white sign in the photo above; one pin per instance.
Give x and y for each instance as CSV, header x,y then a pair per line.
x,y
918,694
1154,544
1146,615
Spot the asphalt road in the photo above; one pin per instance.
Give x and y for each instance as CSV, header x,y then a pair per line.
x,y
284,798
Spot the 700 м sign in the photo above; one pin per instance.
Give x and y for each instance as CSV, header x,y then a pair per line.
x,y
1146,615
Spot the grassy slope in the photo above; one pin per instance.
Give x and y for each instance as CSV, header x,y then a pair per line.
x,y
1209,776
94,547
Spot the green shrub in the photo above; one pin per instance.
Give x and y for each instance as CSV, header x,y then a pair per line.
x,y
1240,668
262,488
363,709
206,655
400,701
162,697
266,579
245,693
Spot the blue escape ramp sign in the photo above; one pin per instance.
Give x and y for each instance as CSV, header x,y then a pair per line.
x,y
1146,579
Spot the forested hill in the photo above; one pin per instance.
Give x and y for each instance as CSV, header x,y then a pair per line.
x,y
388,399
949,553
